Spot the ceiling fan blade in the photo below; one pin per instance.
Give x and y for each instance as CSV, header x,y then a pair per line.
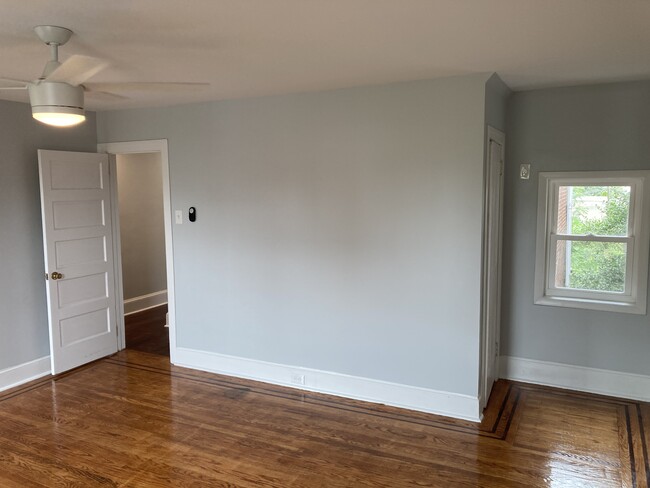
x,y
13,88
10,81
143,86
105,96
77,69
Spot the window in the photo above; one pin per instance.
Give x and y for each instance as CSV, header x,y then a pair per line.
x,y
593,240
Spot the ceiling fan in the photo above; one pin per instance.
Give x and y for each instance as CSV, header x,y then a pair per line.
x,y
57,96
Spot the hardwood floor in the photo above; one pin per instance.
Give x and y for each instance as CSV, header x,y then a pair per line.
x,y
146,331
134,420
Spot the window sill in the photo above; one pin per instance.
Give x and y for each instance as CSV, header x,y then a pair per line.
x,y
601,305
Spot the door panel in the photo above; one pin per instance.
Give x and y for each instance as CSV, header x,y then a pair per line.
x,y
81,327
75,291
79,214
75,204
79,251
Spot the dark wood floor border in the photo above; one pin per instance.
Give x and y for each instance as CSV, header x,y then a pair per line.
x,y
576,394
630,445
309,398
501,409
507,410
27,387
627,405
45,380
644,444
498,430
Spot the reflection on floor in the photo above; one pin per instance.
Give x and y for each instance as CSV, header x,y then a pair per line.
x,y
146,331
135,420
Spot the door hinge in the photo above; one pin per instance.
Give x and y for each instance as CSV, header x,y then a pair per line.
x,y
496,349
501,168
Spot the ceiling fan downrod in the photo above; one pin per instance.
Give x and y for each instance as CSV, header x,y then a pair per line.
x,y
54,37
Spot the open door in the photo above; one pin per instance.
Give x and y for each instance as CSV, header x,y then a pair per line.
x,y
77,240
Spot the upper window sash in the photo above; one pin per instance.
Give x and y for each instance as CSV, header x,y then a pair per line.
x,y
633,224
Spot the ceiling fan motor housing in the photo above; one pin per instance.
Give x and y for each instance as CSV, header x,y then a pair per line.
x,y
49,96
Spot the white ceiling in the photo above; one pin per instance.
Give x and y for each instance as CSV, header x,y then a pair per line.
x,y
259,47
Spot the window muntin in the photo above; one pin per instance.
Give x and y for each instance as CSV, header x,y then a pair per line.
x,y
590,234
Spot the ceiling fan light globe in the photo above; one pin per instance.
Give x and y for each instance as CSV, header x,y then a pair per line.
x,y
59,119
57,104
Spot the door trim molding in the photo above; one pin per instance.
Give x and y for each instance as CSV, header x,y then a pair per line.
x,y
134,147
498,136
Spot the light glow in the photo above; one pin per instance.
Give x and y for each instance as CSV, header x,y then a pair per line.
x,y
59,119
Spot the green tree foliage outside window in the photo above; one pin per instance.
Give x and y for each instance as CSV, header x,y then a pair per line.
x,y
601,211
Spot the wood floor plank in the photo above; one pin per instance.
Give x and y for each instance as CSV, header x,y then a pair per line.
x,y
146,331
134,420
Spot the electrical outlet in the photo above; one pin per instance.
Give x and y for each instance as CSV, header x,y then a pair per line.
x,y
179,216
298,379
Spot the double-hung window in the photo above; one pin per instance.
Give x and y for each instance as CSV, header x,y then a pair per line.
x,y
593,240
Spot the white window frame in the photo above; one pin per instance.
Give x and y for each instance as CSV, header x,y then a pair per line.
x,y
633,299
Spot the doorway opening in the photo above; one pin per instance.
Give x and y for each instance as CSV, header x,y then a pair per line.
x,y
142,242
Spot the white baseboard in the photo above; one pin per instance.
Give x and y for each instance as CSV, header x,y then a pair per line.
x,y
23,373
359,388
592,380
145,302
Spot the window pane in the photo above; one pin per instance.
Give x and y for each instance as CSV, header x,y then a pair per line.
x,y
598,210
585,265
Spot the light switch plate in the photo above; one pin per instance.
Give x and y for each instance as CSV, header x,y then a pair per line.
x,y
179,216
524,171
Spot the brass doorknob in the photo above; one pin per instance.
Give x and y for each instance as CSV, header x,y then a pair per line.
x,y
56,275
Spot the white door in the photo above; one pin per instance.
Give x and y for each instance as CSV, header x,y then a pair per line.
x,y
77,237
492,263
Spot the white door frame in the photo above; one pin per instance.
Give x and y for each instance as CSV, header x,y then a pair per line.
x,y
500,138
135,147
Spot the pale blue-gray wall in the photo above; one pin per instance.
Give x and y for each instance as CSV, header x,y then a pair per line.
x,y
339,230
23,312
600,127
142,229
497,94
